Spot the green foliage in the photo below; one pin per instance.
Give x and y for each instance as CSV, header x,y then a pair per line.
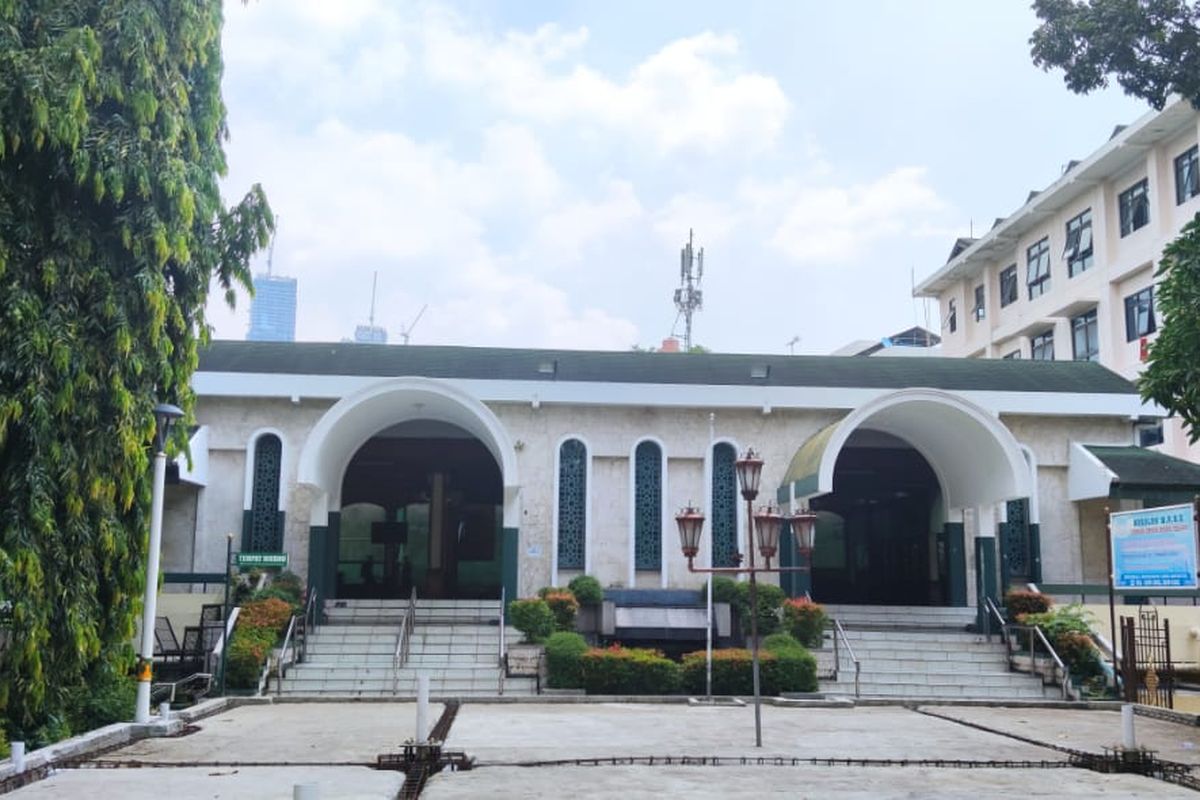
x,y
283,593
564,660
725,590
5,751
1072,618
1069,631
248,651
587,590
621,670
1022,601
288,581
805,620
107,696
1151,47
532,617
270,613
1172,375
787,667
770,604
112,229
564,607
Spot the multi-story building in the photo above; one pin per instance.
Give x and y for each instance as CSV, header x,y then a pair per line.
x,y
273,309
1070,275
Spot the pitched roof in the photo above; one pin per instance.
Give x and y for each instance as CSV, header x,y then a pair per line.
x,y
712,369
1137,466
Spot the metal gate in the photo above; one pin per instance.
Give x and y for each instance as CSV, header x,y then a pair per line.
x,y
1146,668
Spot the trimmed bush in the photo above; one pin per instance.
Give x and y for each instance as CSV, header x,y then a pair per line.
x,y
564,607
620,670
725,590
587,590
290,582
533,618
1069,630
271,613
248,651
770,601
1080,655
1022,601
805,620
564,660
788,668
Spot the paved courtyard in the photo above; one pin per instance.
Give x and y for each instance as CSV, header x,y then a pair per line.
x,y
530,750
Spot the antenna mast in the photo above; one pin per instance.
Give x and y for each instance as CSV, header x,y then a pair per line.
x,y
271,250
374,280
688,297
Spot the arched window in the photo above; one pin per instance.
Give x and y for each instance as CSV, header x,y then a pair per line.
x,y
724,506
647,506
572,504
266,521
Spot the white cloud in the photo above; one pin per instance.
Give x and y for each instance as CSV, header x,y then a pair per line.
x,y
564,233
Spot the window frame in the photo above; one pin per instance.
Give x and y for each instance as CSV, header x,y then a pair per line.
x,y
1008,280
979,311
1091,335
1015,355
1187,175
1038,283
1079,252
952,315
1133,328
1042,343
1129,201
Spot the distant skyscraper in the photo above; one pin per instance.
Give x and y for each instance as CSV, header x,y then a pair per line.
x,y
370,334
273,309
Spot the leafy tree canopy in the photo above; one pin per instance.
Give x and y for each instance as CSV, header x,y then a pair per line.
x,y
1150,47
1172,377
112,228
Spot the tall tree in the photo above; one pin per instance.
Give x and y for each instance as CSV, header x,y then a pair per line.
x,y
112,229
1172,378
1151,47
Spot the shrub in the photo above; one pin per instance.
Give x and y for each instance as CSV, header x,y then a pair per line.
x,y
1021,601
725,590
108,696
770,601
271,613
564,660
781,643
1067,619
248,651
620,670
787,668
4,749
805,620
1080,655
587,590
564,607
283,594
1069,630
533,618
290,582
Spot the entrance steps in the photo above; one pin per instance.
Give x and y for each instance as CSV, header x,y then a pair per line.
x,y
455,642
922,653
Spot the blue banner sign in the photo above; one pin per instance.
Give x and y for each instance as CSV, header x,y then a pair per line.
x,y
1154,548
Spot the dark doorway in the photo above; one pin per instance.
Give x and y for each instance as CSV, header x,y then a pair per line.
x,y
878,533
422,507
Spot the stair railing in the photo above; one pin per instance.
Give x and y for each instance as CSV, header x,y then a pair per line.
x,y
839,635
1033,635
282,661
404,640
992,616
503,650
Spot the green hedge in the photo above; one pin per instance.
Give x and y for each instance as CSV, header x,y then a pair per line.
x,y
786,668
564,660
587,590
532,617
620,670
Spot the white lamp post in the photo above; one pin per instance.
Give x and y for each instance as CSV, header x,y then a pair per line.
x,y
164,415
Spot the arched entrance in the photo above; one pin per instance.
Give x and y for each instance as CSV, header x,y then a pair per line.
x,y
891,482
414,483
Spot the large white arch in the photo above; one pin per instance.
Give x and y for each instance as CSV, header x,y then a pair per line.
x,y
354,419
976,458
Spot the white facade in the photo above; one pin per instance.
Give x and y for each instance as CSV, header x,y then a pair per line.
x,y
1160,149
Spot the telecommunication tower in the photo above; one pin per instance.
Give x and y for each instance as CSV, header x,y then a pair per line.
x,y
688,297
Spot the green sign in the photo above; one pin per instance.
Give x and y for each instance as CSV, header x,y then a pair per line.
x,y
268,560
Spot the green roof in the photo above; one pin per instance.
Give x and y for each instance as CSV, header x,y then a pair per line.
x,y
712,369
1137,466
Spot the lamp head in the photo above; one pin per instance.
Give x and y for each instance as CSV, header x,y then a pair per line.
x,y
164,415
749,471
691,523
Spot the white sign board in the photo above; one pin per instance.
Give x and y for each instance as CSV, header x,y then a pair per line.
x,y
1154,548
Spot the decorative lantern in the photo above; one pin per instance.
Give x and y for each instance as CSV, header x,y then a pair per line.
x,y
691,522
749,471
804,529
767,523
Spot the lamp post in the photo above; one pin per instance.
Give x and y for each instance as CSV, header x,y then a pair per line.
x,y
766,523
164,415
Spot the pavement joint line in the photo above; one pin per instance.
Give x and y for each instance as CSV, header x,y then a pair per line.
x,y
781,761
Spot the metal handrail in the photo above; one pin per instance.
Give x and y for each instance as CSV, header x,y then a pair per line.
x,y
840,634
990,613
311,618
1037,634
503,650
404,639
280,665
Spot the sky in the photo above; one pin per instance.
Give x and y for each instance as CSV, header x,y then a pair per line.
x,y
527,172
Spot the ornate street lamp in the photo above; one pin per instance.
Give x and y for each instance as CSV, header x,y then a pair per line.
x,y
164,415
767,522
804,527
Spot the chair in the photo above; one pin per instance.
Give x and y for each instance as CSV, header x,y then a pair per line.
x,y
166,646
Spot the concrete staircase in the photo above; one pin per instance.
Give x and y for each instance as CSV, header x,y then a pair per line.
x,y
455,642
923,653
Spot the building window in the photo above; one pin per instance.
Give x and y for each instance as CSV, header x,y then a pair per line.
x,y
1078,252
1037,268
1134,204
1013,356
647,506
572,504
1041,347
951,316
1150,435
724,506
1008,285
979,311
1085,337
1139,314
266,530
1187,175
